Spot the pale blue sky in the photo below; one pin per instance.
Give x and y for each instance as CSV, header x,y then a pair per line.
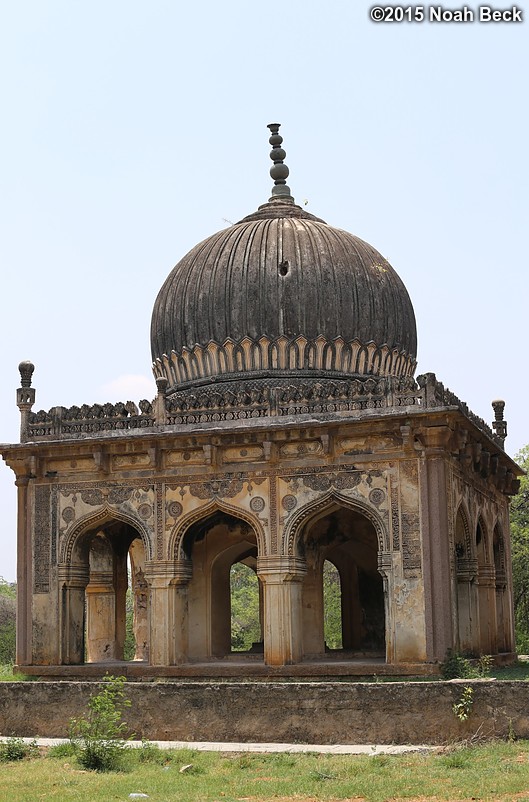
x,y
132,130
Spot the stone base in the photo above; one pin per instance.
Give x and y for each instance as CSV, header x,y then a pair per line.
x,y
280,711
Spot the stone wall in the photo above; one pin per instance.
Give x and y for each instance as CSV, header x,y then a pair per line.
x,y
316,712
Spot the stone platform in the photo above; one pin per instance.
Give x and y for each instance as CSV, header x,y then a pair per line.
x,y
238,669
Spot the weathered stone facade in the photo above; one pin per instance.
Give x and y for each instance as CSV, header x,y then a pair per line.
x,y
426,485
278,451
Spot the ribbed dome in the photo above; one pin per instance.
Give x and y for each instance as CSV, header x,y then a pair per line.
x,y
283,294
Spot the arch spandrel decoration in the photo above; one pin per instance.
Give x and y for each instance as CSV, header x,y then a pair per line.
x,y
319,506
176,538
101,517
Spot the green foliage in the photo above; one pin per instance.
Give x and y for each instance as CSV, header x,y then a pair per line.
x,y
8,589
7,622
463,708
99,739
245,626
62,750
520,555
456,760
332,611
151,753
16,749
485,664
458,667
8,639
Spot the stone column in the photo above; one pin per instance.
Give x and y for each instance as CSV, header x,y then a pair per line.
x,y
24,575
101,642
385,569
467,606
168,611
501,611
487,609
283,621
436,554
140,590
72,582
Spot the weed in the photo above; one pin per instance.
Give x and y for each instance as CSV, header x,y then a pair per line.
x,y
511,734
379,761
151,753
99,738
455,760
463,708
62,750
245,761
322,775
485,664
283,760
456,667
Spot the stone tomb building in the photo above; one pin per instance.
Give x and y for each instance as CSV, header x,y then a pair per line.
x,y
287,430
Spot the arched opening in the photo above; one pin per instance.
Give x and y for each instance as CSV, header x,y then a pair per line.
x,y
96,596
466,589
347,540
486,593
217,544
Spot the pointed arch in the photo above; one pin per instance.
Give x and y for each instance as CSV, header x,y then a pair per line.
x,y
498,549
349,534
320,507
482,542
176,538
101,517
462,533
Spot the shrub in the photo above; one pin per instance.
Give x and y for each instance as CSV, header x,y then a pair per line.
x,y
16,749
98,739
457,667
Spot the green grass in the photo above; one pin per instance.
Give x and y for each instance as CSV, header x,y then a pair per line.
x,y
491,771
7,675
518,671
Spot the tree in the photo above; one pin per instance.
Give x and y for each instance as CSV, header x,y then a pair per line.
x,y
245,626
520,555
7,622
332,601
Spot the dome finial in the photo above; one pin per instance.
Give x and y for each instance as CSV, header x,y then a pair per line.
x,y
279,171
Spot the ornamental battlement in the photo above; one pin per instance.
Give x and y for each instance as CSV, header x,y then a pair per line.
x,y
246,400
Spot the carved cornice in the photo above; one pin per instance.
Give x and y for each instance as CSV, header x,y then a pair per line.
x,y
273,397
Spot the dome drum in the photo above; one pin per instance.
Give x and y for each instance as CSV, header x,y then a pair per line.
x,y
280,358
